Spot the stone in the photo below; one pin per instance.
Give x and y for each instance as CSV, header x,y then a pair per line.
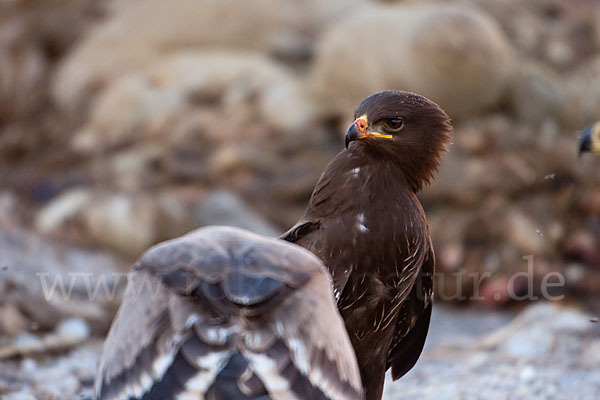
x,y
8,208
237,84
12,321
68,334
73,329
135,34
536,93
521,230
418,48
582,98
62,209
225,208
125,221
558,33
23,67
130,222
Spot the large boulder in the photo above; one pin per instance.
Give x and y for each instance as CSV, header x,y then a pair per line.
x,y
536,94
454,54
138,32
33,35
210,119
130,222
239,85
581,103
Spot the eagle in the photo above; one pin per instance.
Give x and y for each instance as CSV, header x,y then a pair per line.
x,y
365,222
224,314
590,139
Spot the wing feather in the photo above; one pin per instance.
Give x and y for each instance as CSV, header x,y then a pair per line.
x,y
408,344
228,315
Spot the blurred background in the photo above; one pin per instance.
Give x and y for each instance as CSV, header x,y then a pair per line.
x,y
127,122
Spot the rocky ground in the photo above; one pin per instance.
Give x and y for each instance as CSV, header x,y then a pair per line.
x,y
127,122
121,122
546,352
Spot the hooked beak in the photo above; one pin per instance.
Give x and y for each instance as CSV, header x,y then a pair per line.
x,y
352,134
358,130
585,144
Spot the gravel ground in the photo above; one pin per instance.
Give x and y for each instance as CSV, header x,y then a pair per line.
x,y
546,352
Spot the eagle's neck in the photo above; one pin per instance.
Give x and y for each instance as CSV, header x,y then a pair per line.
x,y
395,172
354,182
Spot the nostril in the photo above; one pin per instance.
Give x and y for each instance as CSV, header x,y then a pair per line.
x,y
361,124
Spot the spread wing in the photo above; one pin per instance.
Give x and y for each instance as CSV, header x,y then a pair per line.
x,y
224,314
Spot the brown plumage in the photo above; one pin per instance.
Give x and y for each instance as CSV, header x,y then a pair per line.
x,y
223,314
366,224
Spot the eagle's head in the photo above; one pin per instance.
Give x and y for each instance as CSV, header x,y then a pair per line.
x,y
408,129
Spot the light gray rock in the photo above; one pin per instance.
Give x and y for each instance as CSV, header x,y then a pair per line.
x,y
126,221
129,223
225,208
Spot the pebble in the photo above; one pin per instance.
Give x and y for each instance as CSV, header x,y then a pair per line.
x,y
74,329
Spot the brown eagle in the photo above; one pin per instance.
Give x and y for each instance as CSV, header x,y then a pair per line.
x,y
365,222
223,314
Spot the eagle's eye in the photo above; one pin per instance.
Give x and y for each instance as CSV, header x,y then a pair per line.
x,y
393,124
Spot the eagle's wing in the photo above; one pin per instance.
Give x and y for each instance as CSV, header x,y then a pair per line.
x,y
328,211
224,314
300,231
322,199
410,334
312,236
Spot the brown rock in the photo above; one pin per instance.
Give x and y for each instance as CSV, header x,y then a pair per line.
x,y
454,54
238,85
558,33
589,202
536,93
524,233
125,223
582,99
138,33
12,322
23,69
128,222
